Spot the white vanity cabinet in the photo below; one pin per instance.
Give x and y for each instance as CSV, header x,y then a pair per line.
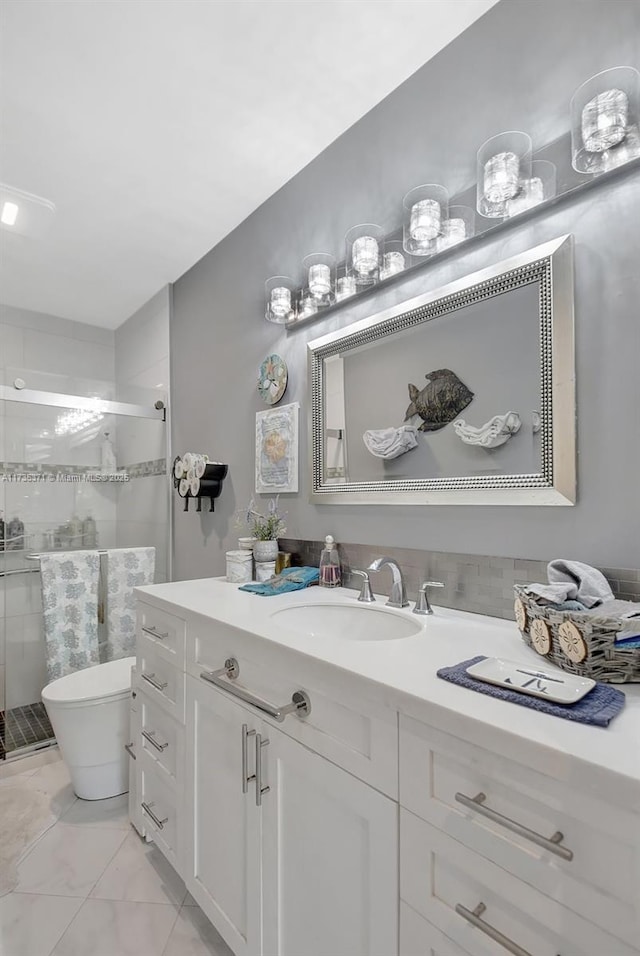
x,y
288,854
400,816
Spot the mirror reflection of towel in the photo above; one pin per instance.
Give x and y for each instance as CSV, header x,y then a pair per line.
x,y
391,442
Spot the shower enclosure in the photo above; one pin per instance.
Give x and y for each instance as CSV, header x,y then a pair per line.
x,y
79,468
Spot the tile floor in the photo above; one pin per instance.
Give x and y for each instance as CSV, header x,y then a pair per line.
x,y
91,887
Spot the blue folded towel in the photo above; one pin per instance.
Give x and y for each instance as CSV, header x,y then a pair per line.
x,y
598,707
291,579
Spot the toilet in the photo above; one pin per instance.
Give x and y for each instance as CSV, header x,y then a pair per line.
x,y
89,712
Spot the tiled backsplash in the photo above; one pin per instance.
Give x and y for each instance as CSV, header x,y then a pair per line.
x,y
482,584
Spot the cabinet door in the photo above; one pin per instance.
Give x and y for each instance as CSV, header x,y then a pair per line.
x,y
222,822
330,851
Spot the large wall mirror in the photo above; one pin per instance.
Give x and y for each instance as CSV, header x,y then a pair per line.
x,y
465,395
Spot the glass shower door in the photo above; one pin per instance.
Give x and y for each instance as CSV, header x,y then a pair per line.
x,y
76,472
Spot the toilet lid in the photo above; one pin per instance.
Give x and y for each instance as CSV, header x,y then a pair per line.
x,y
92,683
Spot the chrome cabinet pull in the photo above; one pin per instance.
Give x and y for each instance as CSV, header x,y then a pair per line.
x,y
147,809
149,735
260,790
246,776
473,917
129,749
150,679
552,844
300,703
154,632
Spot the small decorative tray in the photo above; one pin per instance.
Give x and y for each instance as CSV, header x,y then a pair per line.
x,y
558,687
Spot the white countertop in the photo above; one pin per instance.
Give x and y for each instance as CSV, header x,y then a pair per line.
x,y
407,667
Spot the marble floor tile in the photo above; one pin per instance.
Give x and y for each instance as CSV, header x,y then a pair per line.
x,y
53,779
68,860
113,928
113,812
139,872
193,935
31,925
30,764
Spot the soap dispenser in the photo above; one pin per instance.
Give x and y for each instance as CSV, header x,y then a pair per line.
x,y
330,573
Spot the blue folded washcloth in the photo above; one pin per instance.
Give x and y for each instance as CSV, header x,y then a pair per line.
x,y
598,707
291,579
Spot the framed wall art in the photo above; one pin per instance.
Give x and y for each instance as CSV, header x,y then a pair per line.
x,y
277,450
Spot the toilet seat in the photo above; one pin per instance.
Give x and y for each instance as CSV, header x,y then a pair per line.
x,y
92,685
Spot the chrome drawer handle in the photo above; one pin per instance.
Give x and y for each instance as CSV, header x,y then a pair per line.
x,y
552,844
300,703
150,679
246,776
129,749
473,917
148,735
147,809
154,632
260,790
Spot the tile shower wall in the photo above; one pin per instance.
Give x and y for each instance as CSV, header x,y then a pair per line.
x,y
482,584
52,354
142,376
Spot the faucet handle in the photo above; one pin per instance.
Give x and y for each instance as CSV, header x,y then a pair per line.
x,y
422,601
365,591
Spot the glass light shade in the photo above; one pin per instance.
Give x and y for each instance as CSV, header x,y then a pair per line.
x,y
394,259
503,162
424,209
364,245
459,226
320,275
605,121
307,306
280,299
345,287
540,187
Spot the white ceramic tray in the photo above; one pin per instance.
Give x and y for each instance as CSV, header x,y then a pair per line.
x,y
556,686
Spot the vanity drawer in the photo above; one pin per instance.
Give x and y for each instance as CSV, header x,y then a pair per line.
x,y
159,810
419,938
161,680
441,776
451,886
163,631
160,738
355,733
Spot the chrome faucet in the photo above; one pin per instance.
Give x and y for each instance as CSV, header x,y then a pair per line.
x,y
398,596
365,591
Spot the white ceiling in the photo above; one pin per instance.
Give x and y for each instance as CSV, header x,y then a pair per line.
x,y
156,126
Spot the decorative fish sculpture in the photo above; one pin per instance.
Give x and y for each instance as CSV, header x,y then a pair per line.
x,y
440,401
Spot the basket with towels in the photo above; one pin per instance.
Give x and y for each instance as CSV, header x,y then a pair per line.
x,y
575,622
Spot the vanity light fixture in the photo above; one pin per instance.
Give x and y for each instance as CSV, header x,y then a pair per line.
x,y
394,259
605,121
459,226
424,209
280,297
503,163
364,245
540,187
320,274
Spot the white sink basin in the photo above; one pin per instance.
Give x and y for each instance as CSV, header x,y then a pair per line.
x,y
349,622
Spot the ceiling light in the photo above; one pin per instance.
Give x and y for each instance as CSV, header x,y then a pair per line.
x,y
25,213
9,213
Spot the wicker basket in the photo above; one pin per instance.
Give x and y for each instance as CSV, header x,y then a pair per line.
x,y
580,643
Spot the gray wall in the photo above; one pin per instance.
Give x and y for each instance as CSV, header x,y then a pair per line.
x,y
515,68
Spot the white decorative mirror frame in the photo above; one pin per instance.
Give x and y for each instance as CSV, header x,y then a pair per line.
x,y
550,266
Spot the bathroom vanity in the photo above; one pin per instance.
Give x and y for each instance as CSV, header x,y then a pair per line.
x,y
323,793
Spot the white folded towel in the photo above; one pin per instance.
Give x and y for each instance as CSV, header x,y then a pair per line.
x,y
573,581
391,442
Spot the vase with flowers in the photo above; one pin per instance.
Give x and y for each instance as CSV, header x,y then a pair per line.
x,y
266,529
